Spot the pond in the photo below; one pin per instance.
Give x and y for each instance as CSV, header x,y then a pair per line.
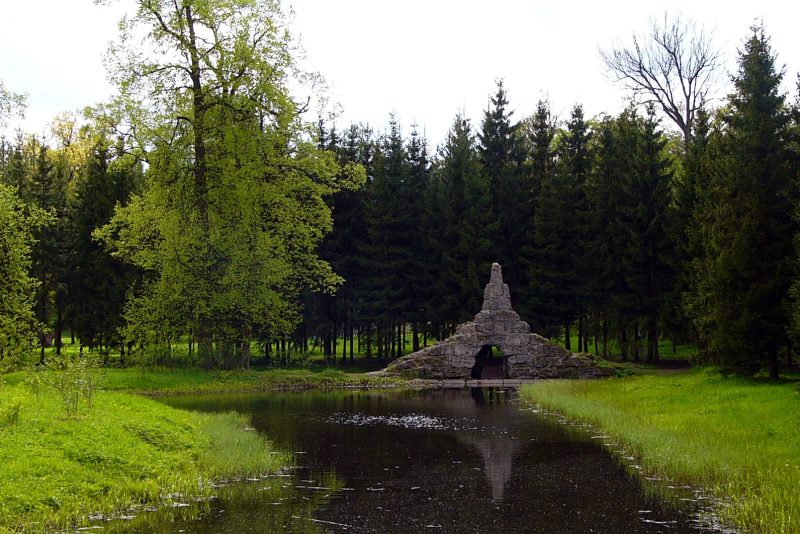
x,y
448,460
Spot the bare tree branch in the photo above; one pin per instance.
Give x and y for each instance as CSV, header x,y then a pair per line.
x,y
674,66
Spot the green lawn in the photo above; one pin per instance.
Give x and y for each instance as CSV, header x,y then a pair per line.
x,y
683,351
736,437
123,452
182,381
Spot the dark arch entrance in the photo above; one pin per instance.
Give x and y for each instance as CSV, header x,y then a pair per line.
x,y
490,363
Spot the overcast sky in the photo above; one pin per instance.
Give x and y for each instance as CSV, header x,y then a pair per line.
x,y
422,59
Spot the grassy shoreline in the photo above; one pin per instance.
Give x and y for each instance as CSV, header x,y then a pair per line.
x,y
124,453
735,437
154,382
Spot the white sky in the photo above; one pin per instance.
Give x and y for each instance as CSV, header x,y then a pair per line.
x,y
422,59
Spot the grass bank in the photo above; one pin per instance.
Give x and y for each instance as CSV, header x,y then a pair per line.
x,y
155,381
124,452
736,437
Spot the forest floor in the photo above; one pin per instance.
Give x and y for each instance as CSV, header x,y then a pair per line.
x,y
734,437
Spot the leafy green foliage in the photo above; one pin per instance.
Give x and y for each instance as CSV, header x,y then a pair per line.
x,y
232,209
17,324
73,377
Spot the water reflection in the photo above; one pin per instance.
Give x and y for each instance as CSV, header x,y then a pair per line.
x,y
497,450
440,460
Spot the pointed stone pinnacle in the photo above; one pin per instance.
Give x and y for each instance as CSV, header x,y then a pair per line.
x,y
496,296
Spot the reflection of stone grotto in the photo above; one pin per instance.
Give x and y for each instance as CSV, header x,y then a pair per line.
x,y
498,457
497,449
467,354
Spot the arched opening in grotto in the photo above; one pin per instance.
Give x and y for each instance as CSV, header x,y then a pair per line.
x,y
490,363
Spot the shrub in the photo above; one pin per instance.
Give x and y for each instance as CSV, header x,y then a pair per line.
x,y
73,377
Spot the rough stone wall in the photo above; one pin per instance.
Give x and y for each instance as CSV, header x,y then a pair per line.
x,y
526,355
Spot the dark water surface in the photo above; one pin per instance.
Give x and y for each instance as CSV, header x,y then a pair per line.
x,y
464,460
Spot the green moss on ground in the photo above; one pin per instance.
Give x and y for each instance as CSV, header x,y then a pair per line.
x,y
736,437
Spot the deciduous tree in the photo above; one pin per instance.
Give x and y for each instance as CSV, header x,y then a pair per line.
x,y
673,66
232,210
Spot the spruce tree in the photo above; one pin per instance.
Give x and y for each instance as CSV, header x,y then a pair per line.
x,y
608,234
650,195
748,241
417,269
555,272
539,133
502,156
464,246
97,283
387,220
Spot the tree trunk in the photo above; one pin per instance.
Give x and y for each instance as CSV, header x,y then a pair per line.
x,y
585,333
369,341
246,354
567,340
59,321
774,370
205,346
652,339
344,339
200,169
326,347
352,350
43,320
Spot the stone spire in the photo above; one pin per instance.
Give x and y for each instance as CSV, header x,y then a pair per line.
x,y
496,296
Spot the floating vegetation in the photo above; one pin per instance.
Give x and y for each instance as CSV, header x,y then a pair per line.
x,y
410,421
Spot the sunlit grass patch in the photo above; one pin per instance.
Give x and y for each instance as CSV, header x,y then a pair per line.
x,y
237,450
736,437
122,454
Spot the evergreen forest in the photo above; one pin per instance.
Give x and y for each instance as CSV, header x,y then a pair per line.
x,y
203,217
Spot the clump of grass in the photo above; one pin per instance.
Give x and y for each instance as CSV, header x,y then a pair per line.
x,y
237,450
10,407
736,437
